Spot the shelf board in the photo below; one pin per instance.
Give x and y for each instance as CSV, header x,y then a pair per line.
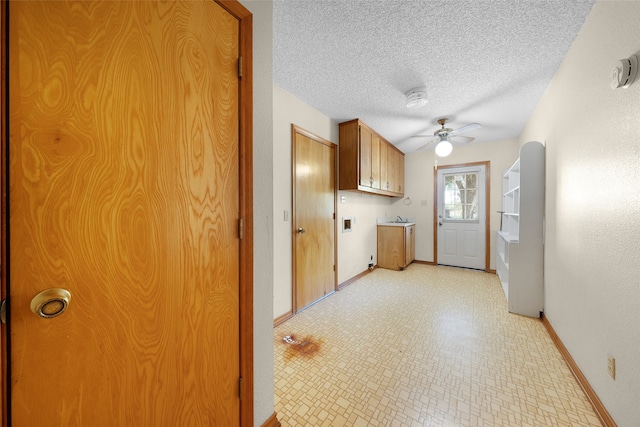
x,y
508,237
513,190
515,168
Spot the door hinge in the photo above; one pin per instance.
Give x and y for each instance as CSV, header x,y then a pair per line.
x,y
240,228
240,67
3,312
241,388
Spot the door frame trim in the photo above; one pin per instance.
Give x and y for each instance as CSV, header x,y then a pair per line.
x,y
245,140
294,285
4,116
487,221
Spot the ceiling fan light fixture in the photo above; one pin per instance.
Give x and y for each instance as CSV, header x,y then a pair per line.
x,y
444,148
416,98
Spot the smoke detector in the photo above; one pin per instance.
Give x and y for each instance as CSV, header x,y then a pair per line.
x,y
624,73
416,98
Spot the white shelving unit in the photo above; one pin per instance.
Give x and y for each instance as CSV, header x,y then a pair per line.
x,y
519,244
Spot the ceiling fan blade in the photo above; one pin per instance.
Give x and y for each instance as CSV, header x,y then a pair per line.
x,y
422,147
461,138
467,128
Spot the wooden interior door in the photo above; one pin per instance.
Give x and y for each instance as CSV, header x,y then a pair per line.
x,y
125,190
314,194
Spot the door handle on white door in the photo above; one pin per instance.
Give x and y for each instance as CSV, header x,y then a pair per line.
x,y
440,224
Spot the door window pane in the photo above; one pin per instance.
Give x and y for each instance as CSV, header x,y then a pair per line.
x,y
461,196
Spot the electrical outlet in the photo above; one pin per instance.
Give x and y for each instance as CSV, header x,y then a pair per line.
x,y
611,366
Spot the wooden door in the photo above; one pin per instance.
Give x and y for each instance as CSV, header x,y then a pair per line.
x,y
314,194
125,190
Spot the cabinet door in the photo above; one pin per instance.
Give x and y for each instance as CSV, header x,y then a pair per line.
x,y
391,168
407,245
399,173
412,243
366,174
391,247
384,166
375,161
395,170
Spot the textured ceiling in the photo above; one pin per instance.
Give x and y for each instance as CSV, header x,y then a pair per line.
x,y
480,61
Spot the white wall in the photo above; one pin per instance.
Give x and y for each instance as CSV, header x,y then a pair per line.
x,y
356,248
263,209
592,252
419,181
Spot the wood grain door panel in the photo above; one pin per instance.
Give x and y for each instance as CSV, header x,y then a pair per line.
x,y
366,171
384,168
375,161
314,224
124,189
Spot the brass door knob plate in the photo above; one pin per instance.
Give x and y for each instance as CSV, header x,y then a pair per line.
x,y
51,302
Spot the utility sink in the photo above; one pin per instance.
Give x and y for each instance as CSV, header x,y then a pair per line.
x,y
398,223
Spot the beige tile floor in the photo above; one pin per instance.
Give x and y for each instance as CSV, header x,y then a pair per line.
x,y
427,346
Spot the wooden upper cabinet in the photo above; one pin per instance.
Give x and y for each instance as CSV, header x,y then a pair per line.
x,y
399,172
384,167
365,178
376,145
392,160
368,162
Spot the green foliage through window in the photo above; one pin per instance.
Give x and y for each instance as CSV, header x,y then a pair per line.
x,y
461,196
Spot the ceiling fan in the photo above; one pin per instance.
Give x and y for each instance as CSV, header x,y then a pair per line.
x,y
445,135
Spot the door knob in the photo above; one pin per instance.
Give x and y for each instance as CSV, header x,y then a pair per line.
x,y
301,230
51,302
440,224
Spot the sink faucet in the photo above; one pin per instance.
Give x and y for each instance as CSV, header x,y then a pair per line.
x,y
400,218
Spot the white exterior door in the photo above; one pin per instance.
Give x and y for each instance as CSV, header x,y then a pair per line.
x,y
461,216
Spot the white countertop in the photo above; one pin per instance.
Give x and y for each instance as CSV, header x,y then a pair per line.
x,y
396,224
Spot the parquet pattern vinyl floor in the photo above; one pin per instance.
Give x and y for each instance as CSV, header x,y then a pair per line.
x,y
427,346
